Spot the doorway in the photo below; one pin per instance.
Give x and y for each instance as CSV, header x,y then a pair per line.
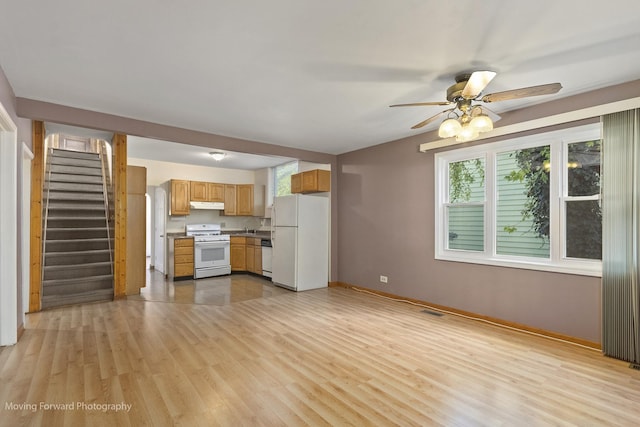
x,y
160,216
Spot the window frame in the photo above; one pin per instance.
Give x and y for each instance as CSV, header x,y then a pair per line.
x,y
557,262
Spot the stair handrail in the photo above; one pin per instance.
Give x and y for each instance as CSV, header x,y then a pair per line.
x,y
45,221
106,188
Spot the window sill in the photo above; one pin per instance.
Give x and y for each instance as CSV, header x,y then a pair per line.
x,y
580,268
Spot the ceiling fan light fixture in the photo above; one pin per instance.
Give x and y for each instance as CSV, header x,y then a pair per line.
x,y
217,155
467,133
449,128
482,123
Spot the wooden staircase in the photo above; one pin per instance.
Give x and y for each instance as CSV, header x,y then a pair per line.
x,y
77,239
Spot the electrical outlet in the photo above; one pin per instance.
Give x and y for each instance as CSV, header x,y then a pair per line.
x,y
384,279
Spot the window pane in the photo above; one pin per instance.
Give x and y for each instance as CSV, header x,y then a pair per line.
x,y
583,168
584,229
466,181
522,209
466,227
282,178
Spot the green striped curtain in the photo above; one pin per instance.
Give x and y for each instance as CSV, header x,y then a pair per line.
x,y
621,235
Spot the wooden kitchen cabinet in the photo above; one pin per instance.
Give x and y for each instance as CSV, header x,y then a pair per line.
x,y
198,191
313,181
230,199
238,253
215,192
181,264
251,256
206,191
257,255
238,199
244,199
296,183
180,197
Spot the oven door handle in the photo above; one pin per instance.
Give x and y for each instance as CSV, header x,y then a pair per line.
x,y
212,244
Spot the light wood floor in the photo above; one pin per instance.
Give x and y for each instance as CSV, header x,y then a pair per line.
x,y
238,351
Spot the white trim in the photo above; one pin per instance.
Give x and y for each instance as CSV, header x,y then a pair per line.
x,y
584,113
8,225
556,262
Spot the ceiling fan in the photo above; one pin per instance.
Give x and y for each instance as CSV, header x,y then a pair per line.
x,y
465,120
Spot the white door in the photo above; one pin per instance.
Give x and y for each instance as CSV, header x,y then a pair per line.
x,y
285,257
159,229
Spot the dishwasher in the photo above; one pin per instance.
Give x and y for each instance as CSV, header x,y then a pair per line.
x,y
267,253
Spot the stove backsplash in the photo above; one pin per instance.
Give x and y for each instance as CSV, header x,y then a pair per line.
x,y
178,224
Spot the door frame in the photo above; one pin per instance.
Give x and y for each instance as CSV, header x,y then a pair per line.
x,y
8,229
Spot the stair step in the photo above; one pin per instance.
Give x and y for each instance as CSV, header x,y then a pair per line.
x,y
76,271
74,187
77,257
57,152
52,246
51,301
80,179
76,233
69,161
75,170
94,206
53,284
75,222
64,196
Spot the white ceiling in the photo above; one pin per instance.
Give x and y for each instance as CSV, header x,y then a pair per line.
x,y
312,75
153,149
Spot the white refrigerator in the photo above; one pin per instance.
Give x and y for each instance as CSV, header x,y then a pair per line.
x,y
301,241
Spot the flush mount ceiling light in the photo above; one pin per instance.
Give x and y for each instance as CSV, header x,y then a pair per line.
x,y
217,155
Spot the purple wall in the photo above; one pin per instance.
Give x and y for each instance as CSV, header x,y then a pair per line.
x,y
386,227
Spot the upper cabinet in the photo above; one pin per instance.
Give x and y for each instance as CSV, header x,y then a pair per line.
x,y
244,199
230,199
313,181
180,197
215,192
238,199
198,191
206,192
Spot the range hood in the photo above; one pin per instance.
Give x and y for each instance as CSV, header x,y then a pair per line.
x,y
218,206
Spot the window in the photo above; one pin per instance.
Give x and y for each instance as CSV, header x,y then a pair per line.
x,y
465,208
282,178
531,202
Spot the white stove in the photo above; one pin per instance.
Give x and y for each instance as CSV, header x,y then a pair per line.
x,y
212,250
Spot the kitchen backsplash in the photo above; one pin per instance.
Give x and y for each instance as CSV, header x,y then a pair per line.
x,y
177,224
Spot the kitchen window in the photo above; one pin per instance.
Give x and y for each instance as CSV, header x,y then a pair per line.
x,y
282,178
530,202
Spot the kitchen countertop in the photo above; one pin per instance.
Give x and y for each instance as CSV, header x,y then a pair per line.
x,y
260,234
176,234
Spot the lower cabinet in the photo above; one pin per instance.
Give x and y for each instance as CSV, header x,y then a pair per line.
x,y
238,253
181,265
246,254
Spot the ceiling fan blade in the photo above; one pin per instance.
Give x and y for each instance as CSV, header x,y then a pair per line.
x,y
419,104
476,83
431,119
524,92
